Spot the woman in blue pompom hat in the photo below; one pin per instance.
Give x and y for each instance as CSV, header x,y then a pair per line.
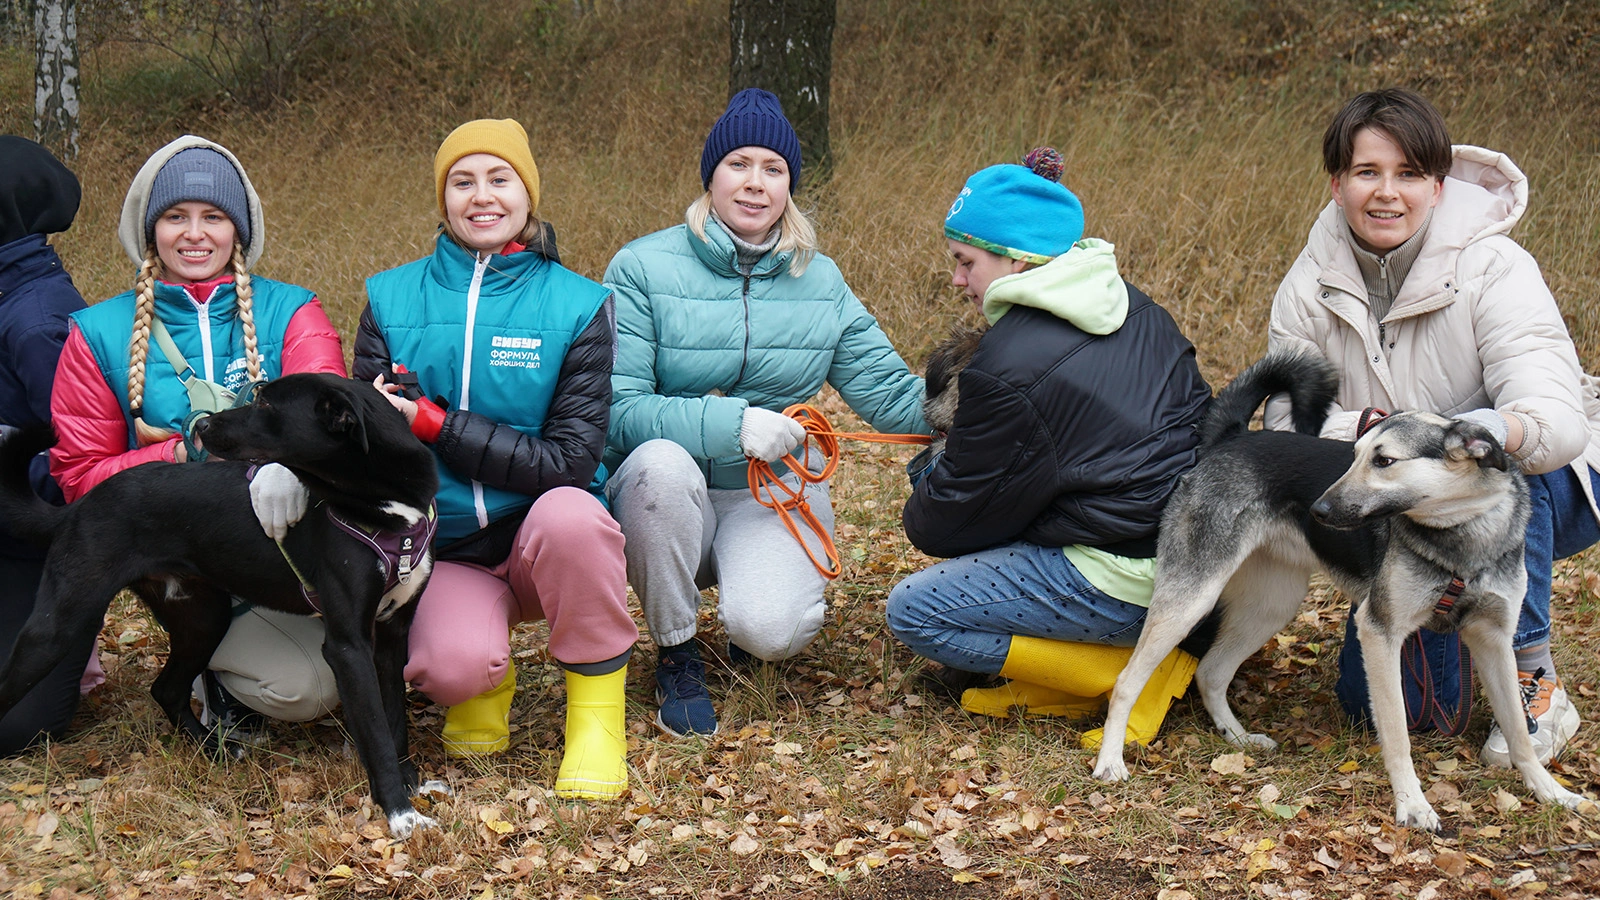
x,y
722,323
1076,417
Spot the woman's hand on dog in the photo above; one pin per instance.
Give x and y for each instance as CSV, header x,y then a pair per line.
x,y
391,392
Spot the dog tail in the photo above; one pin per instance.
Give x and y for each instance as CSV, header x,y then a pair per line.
x,y
22,512
1311,382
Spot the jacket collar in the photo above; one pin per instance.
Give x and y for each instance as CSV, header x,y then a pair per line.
x,y
452,267
719,254
22,258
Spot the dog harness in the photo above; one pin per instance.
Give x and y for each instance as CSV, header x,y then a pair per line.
x,y
397,551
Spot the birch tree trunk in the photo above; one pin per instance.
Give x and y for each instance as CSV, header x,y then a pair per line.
x,y
786,47
55,80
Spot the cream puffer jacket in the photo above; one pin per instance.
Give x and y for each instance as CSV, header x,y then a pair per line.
x,y
1473,326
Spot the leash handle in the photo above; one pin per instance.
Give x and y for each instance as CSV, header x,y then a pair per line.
x,y
819,431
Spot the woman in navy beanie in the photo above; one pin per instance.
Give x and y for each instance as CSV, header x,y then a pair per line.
x,y
1076,417
38,197
723,322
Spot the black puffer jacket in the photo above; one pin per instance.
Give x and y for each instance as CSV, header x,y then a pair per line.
x,y
1062,436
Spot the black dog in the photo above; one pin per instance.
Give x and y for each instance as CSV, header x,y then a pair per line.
x,y
185,538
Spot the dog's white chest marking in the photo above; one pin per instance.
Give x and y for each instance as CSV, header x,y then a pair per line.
x,y
410,514
406,591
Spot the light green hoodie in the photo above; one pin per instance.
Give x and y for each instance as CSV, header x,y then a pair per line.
x,y
1081,286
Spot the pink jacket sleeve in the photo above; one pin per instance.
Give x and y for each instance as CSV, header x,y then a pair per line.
x,y
91,428
310,343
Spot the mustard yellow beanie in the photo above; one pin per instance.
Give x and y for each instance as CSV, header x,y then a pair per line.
x,y
504,138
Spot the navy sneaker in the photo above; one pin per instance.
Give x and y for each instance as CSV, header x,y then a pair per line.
x,y
231,721
739,656
681,693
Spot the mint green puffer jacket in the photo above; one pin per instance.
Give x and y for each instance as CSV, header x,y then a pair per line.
x,y
698,342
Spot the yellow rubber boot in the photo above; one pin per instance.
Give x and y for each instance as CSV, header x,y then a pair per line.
x,y
1089,670
595,764
1029,699
482,725
1167,683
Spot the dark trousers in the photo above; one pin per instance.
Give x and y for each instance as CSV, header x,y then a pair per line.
x,y
48,708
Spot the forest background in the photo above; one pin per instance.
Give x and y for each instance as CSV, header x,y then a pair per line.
x,y
1191,131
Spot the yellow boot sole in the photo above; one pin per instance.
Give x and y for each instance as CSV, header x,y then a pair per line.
x,y
1028,699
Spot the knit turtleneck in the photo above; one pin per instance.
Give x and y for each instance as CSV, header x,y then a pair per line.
x,y
1384,274
749,254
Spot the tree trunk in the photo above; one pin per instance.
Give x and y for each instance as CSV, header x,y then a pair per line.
x,y
786,47
55,80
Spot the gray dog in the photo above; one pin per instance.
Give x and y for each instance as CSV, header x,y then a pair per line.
x,y
1420,523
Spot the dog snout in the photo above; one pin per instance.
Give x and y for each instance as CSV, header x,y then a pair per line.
x,y
1330,510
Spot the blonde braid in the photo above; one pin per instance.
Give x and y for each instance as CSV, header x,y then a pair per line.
x,y
144,309
247,317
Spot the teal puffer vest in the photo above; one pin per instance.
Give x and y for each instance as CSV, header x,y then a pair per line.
x,y
490,336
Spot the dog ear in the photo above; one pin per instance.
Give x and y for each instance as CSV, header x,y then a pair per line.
x,y
1467,440
339,415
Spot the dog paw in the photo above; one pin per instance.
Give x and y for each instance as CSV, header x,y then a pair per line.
x,y
1253,741
1112,770
405,821
1416,815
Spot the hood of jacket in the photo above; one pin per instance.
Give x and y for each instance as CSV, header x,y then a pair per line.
x,y
1485,194
1081,286
38,195
130,229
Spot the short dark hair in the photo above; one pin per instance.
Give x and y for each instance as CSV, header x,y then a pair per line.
x,y
1400,114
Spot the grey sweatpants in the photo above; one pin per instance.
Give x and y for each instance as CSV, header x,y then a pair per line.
x,y
682,537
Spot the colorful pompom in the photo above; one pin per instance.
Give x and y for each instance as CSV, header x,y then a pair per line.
x,y
1046,162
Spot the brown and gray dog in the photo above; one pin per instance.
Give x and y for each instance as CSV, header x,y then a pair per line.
x,y
942,391
1420,523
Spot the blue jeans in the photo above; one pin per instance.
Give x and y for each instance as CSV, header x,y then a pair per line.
x,y
962,612
1559,525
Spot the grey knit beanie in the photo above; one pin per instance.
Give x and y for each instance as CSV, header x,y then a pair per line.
x,y
202,175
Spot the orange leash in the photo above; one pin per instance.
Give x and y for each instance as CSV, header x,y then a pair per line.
x,y
819,432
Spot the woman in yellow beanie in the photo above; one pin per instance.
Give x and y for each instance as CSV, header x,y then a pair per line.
x,y
501,360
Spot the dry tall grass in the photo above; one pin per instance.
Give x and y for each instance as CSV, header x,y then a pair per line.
x,y
1191,134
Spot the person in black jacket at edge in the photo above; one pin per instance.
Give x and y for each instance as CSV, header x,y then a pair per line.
x,y
38,197
1077,415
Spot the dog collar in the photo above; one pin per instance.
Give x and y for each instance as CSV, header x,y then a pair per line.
x,y
1369,417
1452,593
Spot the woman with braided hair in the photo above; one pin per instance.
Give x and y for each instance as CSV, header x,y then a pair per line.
x,y
1076,417
197,330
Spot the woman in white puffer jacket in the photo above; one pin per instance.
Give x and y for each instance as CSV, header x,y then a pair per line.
x,y
1411,287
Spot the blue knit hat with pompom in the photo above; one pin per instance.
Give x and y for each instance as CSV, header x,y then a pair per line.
x,y
754,118
1021,212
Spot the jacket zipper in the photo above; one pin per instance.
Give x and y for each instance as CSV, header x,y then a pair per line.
x,y
745,358
478,268
202,313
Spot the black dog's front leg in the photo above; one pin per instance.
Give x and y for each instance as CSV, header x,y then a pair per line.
x,y
348,648
391,651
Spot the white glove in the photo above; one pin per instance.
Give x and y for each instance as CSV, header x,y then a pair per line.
x,y
766,435
1488,420
278,498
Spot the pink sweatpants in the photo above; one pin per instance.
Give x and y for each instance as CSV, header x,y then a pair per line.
x,y
566,566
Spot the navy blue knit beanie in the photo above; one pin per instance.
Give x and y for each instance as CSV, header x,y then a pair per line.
x,y
202,175
754,118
